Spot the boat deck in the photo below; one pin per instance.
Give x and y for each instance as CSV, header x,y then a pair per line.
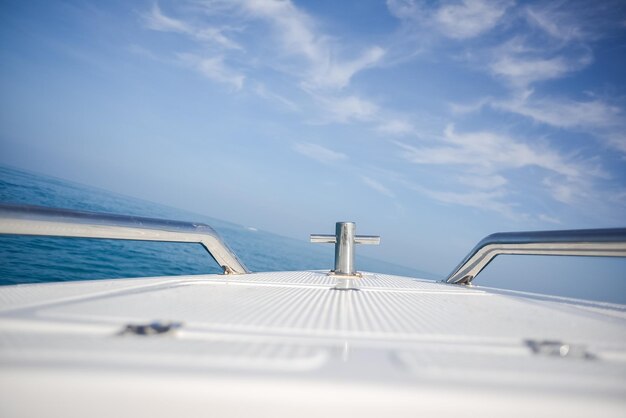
x,y
287,343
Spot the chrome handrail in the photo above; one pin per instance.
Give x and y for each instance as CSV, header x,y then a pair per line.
x,y
38,220
582,242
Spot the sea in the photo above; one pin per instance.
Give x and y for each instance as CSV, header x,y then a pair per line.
x,y
49,259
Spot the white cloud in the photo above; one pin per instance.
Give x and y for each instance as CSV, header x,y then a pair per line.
x,y
214,68
395,127
487,162
310,61
264,92
217,36
318,152
461,109
294,29
562,191
485,181
281,53
482,200
564,113
547,218
549,44
375,185
619,197
524,60
523,71
576,20
600,119
297,34
617,140
348,108
596,117
489,151
469,18
557,24
406,9
156,20
458,20
324,71
338,75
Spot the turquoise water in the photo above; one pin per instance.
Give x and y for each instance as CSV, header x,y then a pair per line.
x,y
45,259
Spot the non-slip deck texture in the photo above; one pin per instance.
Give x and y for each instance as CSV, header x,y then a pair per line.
x,y
395,336
286,303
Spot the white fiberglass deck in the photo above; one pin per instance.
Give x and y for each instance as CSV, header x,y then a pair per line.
x,y
271,344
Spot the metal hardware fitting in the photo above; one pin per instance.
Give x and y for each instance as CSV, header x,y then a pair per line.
x,y
153,328
37,220
344,239
581,242
551,348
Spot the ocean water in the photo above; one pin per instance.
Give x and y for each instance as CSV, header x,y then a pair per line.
x,y
46,259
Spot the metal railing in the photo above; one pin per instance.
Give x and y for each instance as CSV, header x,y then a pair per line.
x,y
582,242
43,221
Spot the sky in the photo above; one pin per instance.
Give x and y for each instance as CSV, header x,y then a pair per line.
x,y
430,123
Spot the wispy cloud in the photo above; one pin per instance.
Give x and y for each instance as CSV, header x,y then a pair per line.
x,y
487,161
279,52
293,28
563,113
469,18
261,90
489,151
484,181
549,219
395,127
318,152
600,119
156,20
495,201
407,9
562,191
522,61
557,23
597,117
377,186
482,191
347,108
316,64
214,68
617,140
465,108
338,74
576,20
460,20
297,35
558,44
523,71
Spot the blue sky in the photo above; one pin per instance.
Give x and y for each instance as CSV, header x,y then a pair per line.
x,y
432,123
